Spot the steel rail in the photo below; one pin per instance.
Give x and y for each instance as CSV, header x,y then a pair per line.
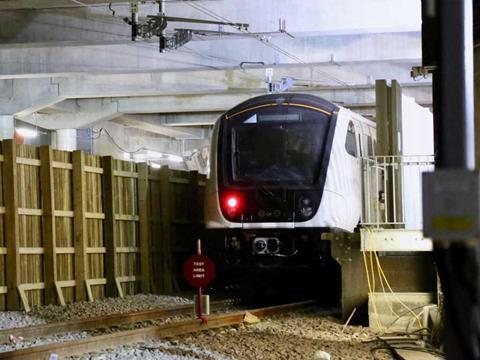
x,y
102,342
103,321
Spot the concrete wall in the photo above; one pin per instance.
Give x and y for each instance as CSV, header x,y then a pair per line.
x,y
123,142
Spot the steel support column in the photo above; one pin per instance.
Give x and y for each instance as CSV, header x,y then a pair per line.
x,y
457,262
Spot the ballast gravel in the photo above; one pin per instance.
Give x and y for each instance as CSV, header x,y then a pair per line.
x,y
108,306
155,350
298,335
83,310
310,335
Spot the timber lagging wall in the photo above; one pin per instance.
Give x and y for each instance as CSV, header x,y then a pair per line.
x,y
81,227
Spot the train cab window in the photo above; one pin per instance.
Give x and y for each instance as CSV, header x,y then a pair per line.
x,y
277,144
351,140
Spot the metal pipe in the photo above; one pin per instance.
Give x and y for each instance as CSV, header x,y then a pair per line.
x,y
386,194
377,167
454,131
161,38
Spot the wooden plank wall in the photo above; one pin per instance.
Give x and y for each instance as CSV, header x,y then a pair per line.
x,y
176,218
79,227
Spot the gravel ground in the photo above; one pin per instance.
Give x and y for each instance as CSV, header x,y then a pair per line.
x,y
300,335
294,336
156,350
83,310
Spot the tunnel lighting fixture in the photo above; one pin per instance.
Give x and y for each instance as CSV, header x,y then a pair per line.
x,y
26,132
157,156
149,154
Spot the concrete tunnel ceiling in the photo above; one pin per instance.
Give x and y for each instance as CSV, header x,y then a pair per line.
x,y
72,64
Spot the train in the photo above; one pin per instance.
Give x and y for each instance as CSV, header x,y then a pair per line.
x,y
284,168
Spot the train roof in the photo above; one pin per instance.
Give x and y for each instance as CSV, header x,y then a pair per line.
x,y
299,98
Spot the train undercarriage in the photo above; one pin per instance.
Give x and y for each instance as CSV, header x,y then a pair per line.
x,y
292,263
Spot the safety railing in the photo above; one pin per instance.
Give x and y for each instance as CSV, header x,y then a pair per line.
x,y
392,196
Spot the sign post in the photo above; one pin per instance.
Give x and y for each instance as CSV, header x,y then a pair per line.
x,y
199,271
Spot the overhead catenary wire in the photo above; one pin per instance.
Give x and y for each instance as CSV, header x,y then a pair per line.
x,y
293,57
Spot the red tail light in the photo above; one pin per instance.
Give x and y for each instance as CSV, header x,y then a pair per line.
x,y
232,202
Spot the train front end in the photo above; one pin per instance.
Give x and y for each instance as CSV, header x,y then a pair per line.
x,y
269,164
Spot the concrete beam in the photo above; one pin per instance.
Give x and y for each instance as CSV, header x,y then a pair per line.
x,y
180,120
80,56
22,97
327,17
66,106
68,40
25,97
136,83
132,122
52,28
201,103
175,110
189,120
120,139
47,4
89,113
91,39
83,112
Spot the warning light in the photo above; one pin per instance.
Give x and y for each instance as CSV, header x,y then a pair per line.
x,y
232,202
232,205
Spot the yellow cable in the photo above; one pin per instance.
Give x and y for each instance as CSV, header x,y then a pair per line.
x,y
379,266
398,299
374,304
385,293
373,272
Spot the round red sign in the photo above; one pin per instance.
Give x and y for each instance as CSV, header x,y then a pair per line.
x,y
199,270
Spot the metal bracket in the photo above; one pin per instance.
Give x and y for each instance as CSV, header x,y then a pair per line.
x,y
394,240
421,71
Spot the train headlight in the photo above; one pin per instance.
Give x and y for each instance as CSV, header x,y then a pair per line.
x,y
306,207
260,246
273,246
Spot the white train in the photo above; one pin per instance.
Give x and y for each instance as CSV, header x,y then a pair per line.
x,y
284,169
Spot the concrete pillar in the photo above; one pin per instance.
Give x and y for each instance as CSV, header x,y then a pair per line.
x,y
7,127
66,139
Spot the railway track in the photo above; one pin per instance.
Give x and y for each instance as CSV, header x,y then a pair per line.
x,y
104,321
119,338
